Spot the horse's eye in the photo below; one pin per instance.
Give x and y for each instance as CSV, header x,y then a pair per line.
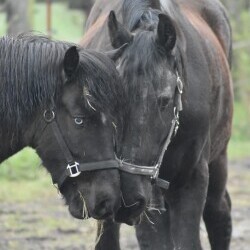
x,y
163,102
78,121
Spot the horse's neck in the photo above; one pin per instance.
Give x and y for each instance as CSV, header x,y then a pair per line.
x,y
9,145
13,141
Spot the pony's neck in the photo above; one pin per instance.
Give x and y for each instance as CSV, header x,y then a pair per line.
x,y
13,141
10,144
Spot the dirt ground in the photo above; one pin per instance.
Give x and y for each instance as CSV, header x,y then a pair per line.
x,y
47,225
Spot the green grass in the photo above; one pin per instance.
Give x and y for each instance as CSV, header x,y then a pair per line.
x,y
238,150
241,122
23,165
66,24
239,146
23,179
23,190
3,27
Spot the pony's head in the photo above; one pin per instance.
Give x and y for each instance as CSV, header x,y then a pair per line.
x,y
85,170
59,99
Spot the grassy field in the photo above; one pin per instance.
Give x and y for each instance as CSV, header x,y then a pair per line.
x,y
66,24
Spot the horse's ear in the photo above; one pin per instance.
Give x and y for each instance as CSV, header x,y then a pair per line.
x,y
71,61
116,53
117,32
166,32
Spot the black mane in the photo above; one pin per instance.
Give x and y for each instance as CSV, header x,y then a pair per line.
x,y
30,73
102,82
31,76
132,12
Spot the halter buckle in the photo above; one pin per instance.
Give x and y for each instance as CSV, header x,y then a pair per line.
x,y
179,83
73,169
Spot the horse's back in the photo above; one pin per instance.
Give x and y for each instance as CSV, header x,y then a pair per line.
x,y
96,25
215,16
101,7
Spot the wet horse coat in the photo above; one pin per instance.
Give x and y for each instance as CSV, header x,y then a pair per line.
x,y
196,36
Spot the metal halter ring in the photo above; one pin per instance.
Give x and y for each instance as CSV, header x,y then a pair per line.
x,y
49,115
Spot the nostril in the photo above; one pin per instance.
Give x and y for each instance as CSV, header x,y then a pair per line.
x,y
141,203
103,209
128,212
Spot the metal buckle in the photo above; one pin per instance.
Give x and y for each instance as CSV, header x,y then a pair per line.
x,y
73,169
179,83
49,115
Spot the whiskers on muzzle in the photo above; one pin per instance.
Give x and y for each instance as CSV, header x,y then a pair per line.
x,y
127,205
85,212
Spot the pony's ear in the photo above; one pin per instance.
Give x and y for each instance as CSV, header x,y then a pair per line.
x,y
116,53
117,32
166,32
71,61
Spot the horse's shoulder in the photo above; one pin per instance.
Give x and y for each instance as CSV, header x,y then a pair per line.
x,y
210,19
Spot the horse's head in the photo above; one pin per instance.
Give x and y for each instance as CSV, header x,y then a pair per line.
x,y
74,135
148,69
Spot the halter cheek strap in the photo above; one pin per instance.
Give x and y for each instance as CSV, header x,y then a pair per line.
x,y
73,168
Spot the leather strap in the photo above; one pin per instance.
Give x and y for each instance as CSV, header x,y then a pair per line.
x,y
91,166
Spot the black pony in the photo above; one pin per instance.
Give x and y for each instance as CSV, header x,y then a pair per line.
x,y
58,99
178,90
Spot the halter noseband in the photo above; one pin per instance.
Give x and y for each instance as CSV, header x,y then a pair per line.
x,y
153,171
73,168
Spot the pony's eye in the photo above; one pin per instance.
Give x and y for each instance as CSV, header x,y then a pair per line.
x,y
78,121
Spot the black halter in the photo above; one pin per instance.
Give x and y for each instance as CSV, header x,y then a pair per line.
x,y
72,167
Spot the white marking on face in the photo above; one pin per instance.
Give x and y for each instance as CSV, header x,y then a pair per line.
x,y
167,92
104,119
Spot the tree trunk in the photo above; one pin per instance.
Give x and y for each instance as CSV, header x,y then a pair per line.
x,y
18,16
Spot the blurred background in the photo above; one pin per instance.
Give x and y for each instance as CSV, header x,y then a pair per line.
x,y
25,187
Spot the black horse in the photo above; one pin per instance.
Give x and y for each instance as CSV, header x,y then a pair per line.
x,y
176,76
57,98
